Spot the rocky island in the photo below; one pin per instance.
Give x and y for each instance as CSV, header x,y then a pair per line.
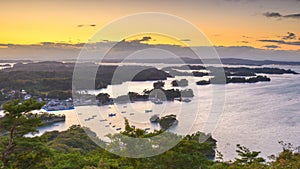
x,y
47,118
168,121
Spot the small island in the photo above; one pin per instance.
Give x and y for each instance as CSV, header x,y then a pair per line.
x,y
47,118
234,80
180,83
154,118
168,121
165,122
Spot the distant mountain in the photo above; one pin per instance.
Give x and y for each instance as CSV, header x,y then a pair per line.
x,y
225,61
233,61
184,60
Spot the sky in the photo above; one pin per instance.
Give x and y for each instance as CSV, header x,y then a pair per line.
x,y
62,26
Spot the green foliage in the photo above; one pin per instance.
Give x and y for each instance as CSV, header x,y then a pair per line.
x,y
30,153
167,121
45,82
103,98
75,149
188,153
80,152
247,156
14,125
288,158
60,94
74,139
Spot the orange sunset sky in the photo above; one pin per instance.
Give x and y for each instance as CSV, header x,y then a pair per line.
x,y
263,24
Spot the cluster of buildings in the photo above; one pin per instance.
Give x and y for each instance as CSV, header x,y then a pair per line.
x,y
52,104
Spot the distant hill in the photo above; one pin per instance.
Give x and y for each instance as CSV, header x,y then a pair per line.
x,y
233,61
226,61
184,60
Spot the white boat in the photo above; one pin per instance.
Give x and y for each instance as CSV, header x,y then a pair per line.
x,y
157,101
111,114
148,111
186,100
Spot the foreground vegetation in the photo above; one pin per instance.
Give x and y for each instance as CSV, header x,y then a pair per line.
x,y
74,149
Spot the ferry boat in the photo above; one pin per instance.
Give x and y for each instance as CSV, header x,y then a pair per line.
x,y
148,111
111,114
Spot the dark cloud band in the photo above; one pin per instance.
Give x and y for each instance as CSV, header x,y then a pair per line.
x,y
297,43
271,46
91,25
289,36
278,15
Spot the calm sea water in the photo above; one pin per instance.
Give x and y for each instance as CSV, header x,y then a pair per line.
x,y
254,115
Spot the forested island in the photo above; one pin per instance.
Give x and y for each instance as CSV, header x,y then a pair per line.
x,y
231,74
235,80
47,118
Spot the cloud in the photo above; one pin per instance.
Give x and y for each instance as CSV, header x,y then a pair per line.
x,y
238,47
144,39
271,46
279,15
289,39
272,41
247,37
290,35
297,43
216,35
90,25
258,54
272,14
295,16
293,43
244,41
185,40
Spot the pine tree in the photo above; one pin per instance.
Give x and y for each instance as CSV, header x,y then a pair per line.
x,y
15,124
